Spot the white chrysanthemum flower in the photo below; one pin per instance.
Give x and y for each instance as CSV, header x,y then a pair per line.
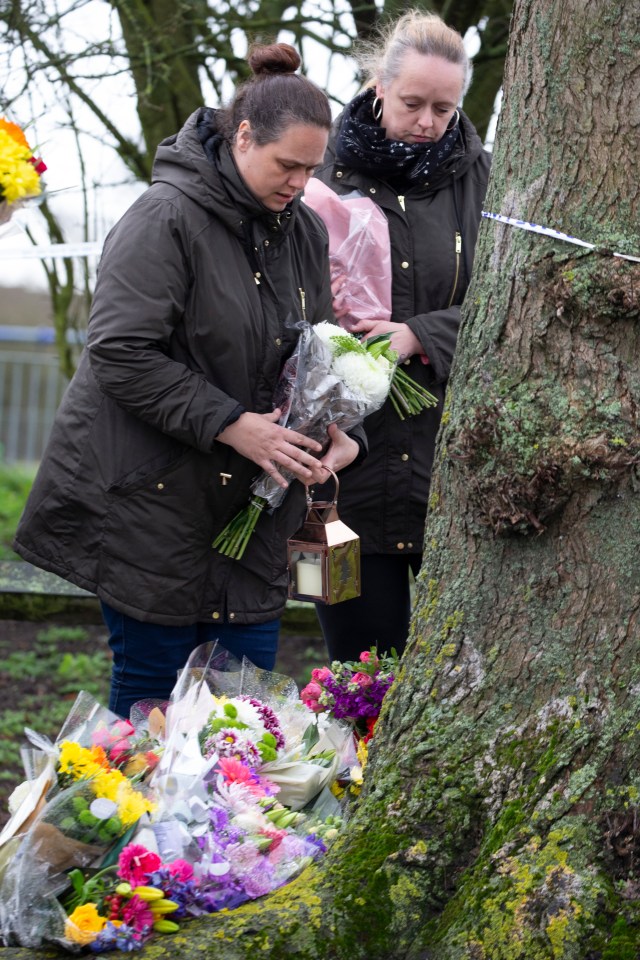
x,y
250,715
364,376
325,331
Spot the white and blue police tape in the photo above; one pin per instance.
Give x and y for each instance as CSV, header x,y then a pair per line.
x,y
555,234
51,251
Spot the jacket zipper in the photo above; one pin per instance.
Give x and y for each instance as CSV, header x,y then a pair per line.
x,y
455,281
303,303
401,202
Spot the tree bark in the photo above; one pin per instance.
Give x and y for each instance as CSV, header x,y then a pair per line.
x,y
497,819
160,38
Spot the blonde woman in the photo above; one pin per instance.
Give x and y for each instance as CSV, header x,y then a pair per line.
x,y
405,142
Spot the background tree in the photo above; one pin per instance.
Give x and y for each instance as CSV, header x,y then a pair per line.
x,y
128,73
498,819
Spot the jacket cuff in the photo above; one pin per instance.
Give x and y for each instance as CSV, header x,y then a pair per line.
x,y
235,414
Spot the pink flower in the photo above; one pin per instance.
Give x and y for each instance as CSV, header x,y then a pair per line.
x,y
119,750
234,771
137,913
181,870
367,657
362,679
135,862
123,728
115,740
310,696
321,674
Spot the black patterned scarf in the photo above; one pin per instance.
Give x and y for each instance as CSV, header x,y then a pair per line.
x,y
362,145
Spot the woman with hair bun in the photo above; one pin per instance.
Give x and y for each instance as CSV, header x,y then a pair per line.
x,y
404,142
169,416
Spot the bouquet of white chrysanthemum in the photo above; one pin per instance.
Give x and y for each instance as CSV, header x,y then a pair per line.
x,y
331,377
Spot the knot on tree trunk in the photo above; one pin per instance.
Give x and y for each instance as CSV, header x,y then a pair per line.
x,y
521,470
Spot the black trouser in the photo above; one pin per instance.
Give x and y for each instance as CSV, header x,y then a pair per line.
x,y
379,616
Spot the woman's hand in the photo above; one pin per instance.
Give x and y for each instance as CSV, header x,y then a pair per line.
x,y
259,437
339,291
403,339
342,451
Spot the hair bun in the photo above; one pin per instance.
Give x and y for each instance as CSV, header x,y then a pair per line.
x,y
273,58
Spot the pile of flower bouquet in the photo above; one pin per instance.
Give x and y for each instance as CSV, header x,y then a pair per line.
x,y
123,829
353,691
20,170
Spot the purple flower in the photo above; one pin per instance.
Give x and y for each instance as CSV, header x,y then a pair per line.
x,y
354,701
269,719
121,938
260,879
219,819
318,843
180,891
242,857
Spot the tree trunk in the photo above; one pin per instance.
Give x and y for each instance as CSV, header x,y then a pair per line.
x,y
160,38
498,815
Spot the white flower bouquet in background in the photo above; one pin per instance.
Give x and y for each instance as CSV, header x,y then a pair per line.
x,y
331,377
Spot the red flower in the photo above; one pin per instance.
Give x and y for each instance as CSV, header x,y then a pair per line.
x,y
371,723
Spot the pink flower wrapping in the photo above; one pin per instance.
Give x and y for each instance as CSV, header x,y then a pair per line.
x,y
359,251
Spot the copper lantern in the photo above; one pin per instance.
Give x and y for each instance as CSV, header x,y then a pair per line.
x,y
324,556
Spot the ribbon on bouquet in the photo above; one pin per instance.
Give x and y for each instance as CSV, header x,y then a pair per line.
x,y
555,234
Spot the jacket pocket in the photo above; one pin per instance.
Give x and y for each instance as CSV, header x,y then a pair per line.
x,y
157,532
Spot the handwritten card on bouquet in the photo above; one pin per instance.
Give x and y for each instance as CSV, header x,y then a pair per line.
x,y
359,251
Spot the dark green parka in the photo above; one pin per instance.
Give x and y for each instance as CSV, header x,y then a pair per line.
x,y
433,230
197,290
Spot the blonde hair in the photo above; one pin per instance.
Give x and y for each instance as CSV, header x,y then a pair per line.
x,y
425,33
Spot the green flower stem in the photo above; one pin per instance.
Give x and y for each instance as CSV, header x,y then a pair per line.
x,y
233,540
407,396
86,889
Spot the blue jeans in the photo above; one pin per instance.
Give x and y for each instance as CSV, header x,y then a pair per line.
x,y
147,656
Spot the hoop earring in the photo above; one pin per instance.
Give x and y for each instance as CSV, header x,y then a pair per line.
x,y
376,109
455,119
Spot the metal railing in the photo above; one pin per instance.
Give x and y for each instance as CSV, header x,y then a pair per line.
x,y
31,387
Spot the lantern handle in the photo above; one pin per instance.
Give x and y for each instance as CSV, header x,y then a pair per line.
x,y
334,502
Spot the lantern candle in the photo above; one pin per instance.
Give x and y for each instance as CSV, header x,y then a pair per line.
x,y
309,577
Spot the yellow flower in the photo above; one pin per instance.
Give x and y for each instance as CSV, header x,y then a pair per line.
x,y
82,764
362,753
131,806
18,176
131,803
84,924
77,761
